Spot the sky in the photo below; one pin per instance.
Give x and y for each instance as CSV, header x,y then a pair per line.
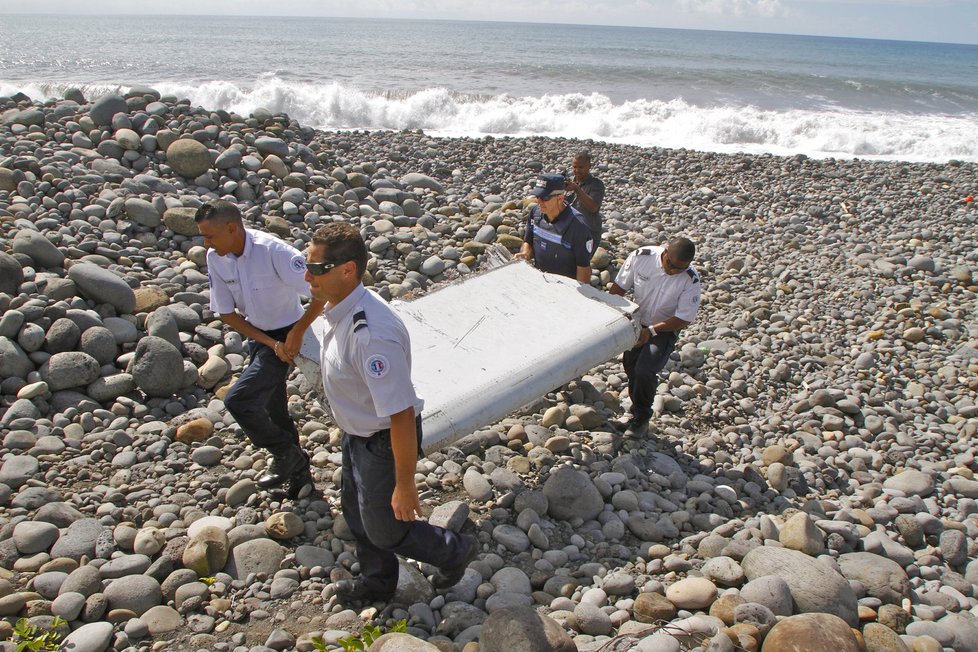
x,y
954,21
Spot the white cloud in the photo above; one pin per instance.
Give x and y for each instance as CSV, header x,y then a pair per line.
x,y
763,8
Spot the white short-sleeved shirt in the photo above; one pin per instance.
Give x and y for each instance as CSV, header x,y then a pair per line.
x,y
366,363
264,283
659,295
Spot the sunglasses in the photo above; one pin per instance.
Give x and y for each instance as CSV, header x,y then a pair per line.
x,y
319,269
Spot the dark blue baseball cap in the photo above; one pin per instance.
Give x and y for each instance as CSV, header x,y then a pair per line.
x,y
547,184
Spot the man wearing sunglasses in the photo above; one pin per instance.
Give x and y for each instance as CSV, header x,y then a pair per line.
x,y
366,364
667,290
256,283
556,238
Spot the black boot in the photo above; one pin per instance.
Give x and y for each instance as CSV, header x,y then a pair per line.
x,y
283,465
300,482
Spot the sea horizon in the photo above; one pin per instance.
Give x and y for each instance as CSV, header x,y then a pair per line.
x,y
709,90
489,22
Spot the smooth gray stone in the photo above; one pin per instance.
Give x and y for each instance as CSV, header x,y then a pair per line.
x,y
572,494
22,408
157,367
418,180
59,513
85,580
32,498
13,360
814,586
772,592
49,584
508,629
138,593
41,250
11,274
78,540
99,342
883,578
105,107
32,537
143,212
122,330
124,565
63,335
18,469
255,556
91,637
268,145
69,369
102,286
162,323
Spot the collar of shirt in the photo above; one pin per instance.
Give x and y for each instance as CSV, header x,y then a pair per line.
x,y
335,314
249,244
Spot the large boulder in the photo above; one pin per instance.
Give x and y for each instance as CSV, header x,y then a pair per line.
x,y
102,286
41,250
69,369
816,631
418,180
571,494
255,556
522,628
14,362
883,578
815,587
188,158
157,367
105,107
181,220
142,212
11,274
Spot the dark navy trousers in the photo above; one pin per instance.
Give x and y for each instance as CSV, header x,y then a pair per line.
x,y
642,366
258,401
368,485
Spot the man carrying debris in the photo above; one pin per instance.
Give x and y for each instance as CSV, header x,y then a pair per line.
x,y
366,365
667,290
256,283
556,238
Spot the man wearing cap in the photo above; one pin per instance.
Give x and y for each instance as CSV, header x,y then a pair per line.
x,y
556,238
366,364
256,283
667,290
586,194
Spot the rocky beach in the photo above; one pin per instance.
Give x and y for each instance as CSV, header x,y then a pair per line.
x,y
807,483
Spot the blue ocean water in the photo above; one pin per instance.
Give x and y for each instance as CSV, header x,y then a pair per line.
x,y
714,91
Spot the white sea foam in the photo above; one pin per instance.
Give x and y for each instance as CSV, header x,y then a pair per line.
x,y
675,123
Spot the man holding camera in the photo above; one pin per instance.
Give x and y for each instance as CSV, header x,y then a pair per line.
x,y
586,194
556,238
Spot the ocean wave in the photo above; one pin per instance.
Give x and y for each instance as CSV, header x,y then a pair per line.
x,y
675,123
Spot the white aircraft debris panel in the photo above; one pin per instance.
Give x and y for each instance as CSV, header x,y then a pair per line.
x,y
489,344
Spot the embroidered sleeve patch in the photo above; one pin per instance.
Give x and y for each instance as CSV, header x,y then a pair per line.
x,y
298,263
377,366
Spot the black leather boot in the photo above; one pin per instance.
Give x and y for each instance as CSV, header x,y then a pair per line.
x,y
283,465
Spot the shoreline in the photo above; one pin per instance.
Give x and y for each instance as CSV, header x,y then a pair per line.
x,y
837,344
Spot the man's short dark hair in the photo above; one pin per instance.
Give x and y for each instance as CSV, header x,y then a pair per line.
x,y
219,211
584,155
343,243
683,249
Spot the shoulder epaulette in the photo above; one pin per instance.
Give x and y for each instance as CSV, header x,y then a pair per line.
x,y
644,251
693,275
359,320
